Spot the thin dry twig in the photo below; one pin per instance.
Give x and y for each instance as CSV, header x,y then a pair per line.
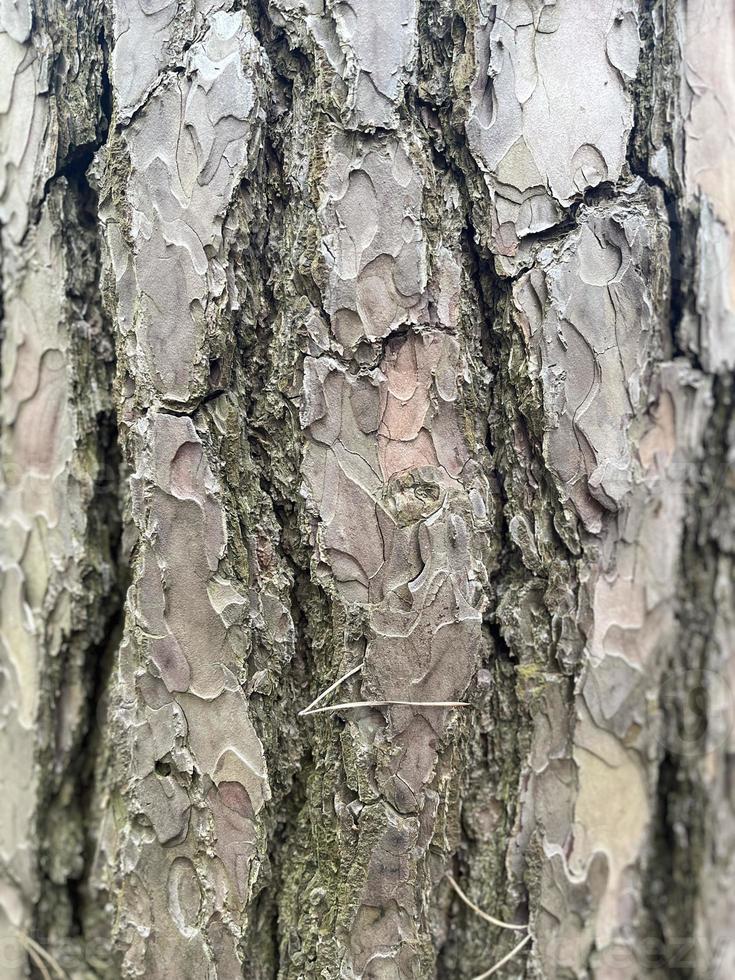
x,y
332,687
40,957
385,704
484,915
506,959
311,709
496,922
37,962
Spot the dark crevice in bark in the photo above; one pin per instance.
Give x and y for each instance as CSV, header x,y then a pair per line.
x,y
270,428
66,823
671,887
672,884
106,101
75,167
682,260
291,761
655,103
494,752
266,907
300,748
507,724
95,97
184,413
100,659
668,898
83,775
288,64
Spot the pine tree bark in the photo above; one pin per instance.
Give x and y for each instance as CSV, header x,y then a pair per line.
x,y
384,348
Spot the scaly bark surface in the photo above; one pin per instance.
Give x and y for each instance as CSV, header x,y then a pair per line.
x,y
388,344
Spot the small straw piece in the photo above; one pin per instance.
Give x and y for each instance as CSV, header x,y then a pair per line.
x,y
308,709
311,709
496,922
385,704
506,959
484,915
37,962
40,957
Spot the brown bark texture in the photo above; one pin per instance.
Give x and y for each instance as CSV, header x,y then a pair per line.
x,y
368,474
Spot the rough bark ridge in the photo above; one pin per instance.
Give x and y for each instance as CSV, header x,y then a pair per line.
x,y
385,339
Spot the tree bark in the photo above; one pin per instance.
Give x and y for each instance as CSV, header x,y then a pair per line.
x,y
378,355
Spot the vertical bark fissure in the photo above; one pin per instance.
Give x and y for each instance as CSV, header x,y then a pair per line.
x,y
60,476
66,828
685,809
68,816
691,704
494,760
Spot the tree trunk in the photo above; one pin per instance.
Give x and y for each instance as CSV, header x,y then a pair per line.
x,y
384,348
